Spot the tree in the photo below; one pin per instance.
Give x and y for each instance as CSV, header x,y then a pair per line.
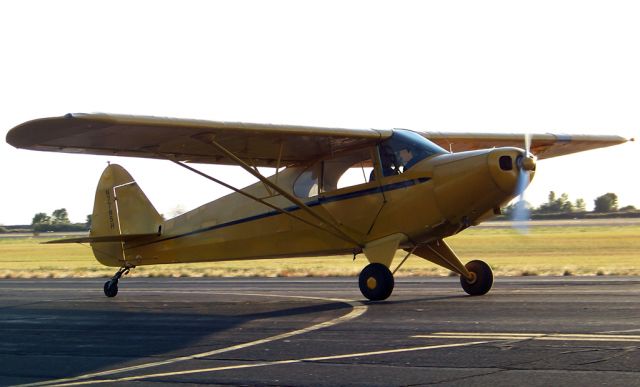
x,y
40,218
606,203
580,205
60,216
556,204
88,221
565,204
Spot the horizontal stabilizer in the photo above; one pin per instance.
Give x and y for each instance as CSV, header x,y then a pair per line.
x,y
105,238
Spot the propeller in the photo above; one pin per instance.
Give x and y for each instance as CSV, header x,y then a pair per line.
x,y
525,163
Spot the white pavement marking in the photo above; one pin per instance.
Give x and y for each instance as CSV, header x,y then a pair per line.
x,y
271,363
531,336
357,310
624,331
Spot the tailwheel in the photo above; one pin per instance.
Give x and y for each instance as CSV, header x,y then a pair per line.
x,y
376,282
111,286
482,278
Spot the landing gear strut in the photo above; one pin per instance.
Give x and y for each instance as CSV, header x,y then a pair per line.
x,y
111,286
376,282
476,276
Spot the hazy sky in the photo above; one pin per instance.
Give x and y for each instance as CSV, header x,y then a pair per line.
x,y
504,66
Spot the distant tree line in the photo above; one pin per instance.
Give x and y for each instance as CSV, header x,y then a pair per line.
x,y
607,203
57,221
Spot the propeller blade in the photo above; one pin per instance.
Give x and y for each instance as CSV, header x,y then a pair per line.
x,y
521,212
527,144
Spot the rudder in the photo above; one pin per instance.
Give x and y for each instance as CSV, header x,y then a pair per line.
x,y
120,208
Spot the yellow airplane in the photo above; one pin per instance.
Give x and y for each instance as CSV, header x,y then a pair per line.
x,y
334,191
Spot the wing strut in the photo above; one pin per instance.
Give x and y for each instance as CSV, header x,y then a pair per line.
x,y
208,139
262,201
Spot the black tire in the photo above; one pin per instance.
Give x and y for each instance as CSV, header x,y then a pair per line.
x,y
111,288
483,281
376,282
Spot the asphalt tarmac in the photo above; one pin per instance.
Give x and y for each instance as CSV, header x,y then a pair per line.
x,y
536,331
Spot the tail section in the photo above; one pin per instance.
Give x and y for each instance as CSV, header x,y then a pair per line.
x,y
121,212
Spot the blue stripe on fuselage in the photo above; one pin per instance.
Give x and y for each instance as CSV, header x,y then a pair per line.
x,y
313,203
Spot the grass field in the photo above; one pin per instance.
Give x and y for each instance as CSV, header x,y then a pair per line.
x,y
574,249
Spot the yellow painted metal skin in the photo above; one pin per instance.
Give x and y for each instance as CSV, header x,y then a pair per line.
x,y
441,254
382,250
118,194
438,197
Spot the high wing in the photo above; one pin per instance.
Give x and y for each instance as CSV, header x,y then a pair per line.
x,y
259,145
544,146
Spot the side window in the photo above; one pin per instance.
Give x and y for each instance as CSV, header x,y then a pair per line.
x,y
358,173
347,170
306,185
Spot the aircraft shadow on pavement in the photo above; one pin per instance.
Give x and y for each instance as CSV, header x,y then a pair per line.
x,y
44,343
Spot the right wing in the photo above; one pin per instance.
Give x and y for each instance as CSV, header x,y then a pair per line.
x,y
544,146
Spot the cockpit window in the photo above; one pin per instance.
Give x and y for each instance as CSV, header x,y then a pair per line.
x,y
343,170
307,184
346,170
403,150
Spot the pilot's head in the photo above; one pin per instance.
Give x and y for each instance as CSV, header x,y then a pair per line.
x,y
405,155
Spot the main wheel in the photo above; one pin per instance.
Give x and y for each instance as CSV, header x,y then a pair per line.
x,y
111,288
483,278
376,282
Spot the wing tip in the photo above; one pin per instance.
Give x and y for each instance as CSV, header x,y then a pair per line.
x,y
22,136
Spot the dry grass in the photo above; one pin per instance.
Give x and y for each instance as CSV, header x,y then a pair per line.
x,y
572,250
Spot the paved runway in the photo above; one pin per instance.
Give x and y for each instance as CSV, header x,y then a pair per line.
x,y
527,331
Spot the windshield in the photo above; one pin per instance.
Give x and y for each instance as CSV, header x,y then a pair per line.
x,y
404,149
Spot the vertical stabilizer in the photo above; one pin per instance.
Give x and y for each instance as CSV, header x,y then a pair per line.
x,y
120,208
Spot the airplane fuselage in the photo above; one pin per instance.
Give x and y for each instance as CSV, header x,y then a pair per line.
x,y
436,198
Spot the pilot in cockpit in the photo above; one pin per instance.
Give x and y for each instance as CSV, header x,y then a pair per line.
x,y
388,162
402,151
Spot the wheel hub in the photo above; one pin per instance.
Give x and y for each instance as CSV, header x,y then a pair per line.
x,y
472,278
376,282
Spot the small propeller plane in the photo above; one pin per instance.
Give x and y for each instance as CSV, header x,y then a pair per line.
x,y
410,191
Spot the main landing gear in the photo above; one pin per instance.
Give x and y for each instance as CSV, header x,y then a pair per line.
x,y
111,286
476,277
376,282
481,278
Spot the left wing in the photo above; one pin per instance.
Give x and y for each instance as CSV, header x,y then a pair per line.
x,y
544,146
259,145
